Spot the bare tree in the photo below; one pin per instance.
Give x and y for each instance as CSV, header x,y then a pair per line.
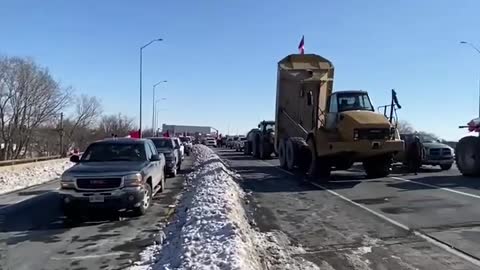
x,y
404,127
29,96
78,127
115,124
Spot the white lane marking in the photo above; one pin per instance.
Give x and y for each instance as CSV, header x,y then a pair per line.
x,y
426,237
93,256
437,187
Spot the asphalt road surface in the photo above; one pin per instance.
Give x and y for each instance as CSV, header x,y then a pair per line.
x,y
34,236
425,221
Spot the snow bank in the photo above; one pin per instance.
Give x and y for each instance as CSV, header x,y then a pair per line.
x,y
210,229
24,175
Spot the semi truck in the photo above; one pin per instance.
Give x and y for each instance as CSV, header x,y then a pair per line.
x,y
318,130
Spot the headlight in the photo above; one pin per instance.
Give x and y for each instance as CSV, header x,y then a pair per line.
x,y
67,182
133,180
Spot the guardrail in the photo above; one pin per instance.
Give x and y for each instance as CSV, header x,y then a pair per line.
x,y
27,160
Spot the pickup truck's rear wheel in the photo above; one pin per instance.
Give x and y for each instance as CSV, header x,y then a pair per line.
x,y
173,173
145,203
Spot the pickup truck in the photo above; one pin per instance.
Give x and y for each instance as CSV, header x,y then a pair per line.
x,y
114,174
167,146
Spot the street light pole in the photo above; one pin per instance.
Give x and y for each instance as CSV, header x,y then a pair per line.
x,y
478,51
141,59
154,103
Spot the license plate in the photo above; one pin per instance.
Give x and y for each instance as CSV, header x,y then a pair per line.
x,y
96,198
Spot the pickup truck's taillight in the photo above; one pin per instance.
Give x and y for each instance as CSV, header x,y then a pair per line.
x,y
133,180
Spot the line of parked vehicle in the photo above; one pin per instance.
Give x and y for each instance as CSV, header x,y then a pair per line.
x,y
121,174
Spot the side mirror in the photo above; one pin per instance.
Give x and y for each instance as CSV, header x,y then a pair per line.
x,y
309,98
74,159
155,158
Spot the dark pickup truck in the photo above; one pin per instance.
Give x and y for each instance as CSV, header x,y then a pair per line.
x,y
115,174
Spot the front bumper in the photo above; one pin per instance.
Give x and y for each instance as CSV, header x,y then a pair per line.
x,y
124,198
433,161
362,148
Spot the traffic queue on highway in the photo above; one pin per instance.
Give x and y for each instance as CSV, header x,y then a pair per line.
x,y
121,174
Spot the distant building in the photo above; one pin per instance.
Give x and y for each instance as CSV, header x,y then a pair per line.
x,y
189,130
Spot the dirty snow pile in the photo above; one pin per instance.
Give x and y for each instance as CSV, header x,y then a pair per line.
x,y
210,229
24,175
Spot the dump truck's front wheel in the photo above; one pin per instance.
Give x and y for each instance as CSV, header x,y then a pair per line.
x,y
318,169
378,166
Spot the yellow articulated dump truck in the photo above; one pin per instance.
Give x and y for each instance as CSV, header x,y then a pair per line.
x,y
318,130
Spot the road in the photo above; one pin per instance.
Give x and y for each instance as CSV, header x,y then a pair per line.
x,y
34,236
397,222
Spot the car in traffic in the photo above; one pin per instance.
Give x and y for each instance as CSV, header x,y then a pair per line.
x,y
167,146
435,153
239,144
114,174
210,141
231,142
187,143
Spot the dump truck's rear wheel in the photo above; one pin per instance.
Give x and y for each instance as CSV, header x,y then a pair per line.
x,y
378,166
318,168
282,154
467,156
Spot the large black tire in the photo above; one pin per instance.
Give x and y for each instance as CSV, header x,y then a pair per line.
x,y
246,149
256,146
319,169
378,167
467,156
145,204
295,153
282,154
265,150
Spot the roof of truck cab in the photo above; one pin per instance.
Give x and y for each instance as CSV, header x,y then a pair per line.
x,y
350,92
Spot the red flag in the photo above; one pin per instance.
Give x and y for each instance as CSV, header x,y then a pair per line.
x,y
135,134
301,45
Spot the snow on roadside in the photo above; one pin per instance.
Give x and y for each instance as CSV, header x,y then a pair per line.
x,y
24,175
210,229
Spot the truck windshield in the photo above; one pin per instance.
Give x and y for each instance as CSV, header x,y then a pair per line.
x,y
101,152
163,143
270,126
354,101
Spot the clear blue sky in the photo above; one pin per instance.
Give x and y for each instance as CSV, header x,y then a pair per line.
x,y
220,56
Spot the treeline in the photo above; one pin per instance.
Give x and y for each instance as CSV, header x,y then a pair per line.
x,y
39,116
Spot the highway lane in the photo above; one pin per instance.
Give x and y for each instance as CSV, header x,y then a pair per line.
x,y
35,236
334,229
